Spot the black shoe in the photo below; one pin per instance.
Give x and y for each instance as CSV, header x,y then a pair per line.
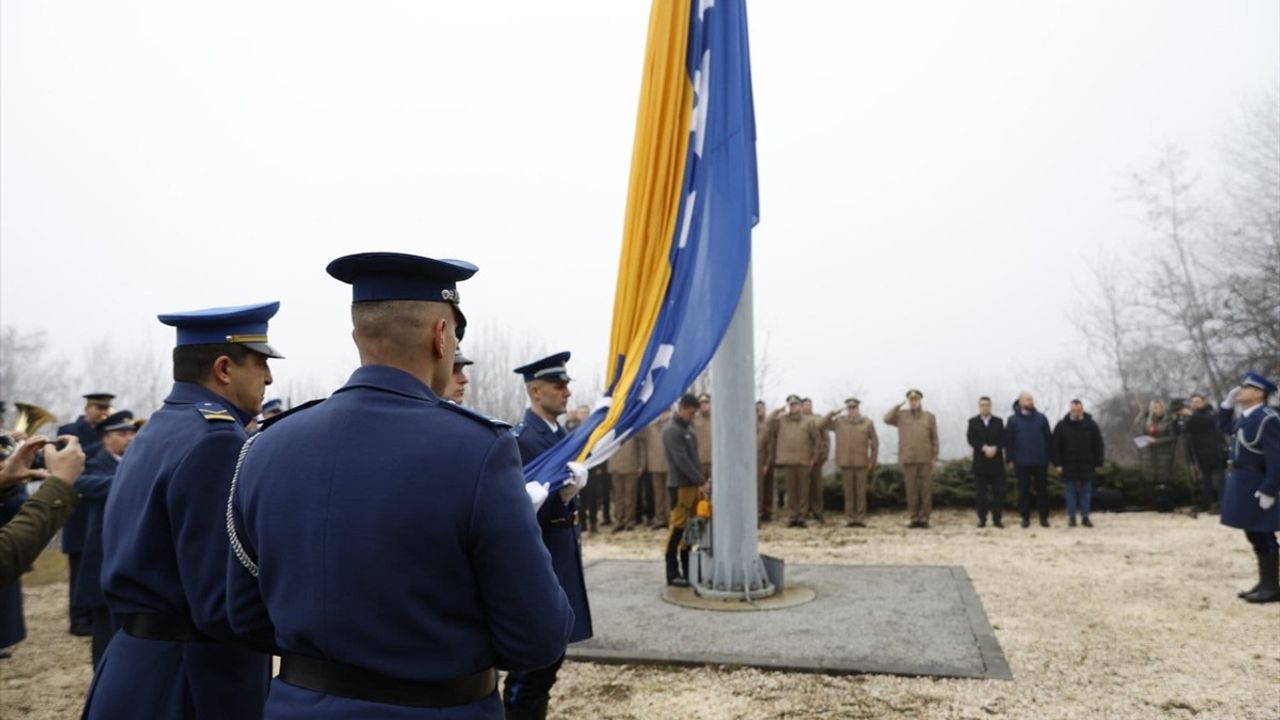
x,y
851,523
81,630
1044,523
924,524
677,582
1269,581
1086,522
1026,523
982,522
5,653
998,524
1071,522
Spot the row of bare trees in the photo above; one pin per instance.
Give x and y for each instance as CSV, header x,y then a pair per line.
x,y
1199,303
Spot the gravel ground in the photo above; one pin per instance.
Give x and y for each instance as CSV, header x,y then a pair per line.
x,y
1136,618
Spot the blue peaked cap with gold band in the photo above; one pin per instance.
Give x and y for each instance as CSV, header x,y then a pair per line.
x,y
378,276
1254,379
242,324
548,368
122,420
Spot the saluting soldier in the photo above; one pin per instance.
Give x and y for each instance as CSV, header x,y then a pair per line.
x,y
656,460
817,483
702,430
857,451
1249,496
918,450
795,449
526,694
97,406
164,542
397,598
94,485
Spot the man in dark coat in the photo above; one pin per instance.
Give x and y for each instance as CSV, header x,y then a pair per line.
x,y
1029,452
97,407
986,437
1208,449
1078,453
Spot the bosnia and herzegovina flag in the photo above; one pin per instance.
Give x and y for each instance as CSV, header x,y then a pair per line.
x,y
686,244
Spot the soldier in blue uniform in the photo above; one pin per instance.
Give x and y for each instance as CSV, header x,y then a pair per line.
x,y
97,407
383,538
94,484
164,533
526,695
1249,495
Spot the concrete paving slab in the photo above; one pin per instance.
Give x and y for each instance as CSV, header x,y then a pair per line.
x,y
895,620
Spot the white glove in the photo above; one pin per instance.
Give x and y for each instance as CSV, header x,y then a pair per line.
x,y
1230,402
1265,501
537,493
577,481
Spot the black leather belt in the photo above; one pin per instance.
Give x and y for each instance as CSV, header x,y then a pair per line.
x,y
359,684
154,626
563,522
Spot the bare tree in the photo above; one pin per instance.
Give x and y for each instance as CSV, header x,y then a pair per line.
x,y
31,372
138,377
494,389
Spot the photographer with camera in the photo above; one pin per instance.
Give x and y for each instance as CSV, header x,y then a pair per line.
x,y
34,525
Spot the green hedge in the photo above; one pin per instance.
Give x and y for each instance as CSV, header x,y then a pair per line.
x,y
1118,487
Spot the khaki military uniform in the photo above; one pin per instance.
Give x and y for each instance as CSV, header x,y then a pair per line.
x,y
795,449
31,529
917,454
656,461
625,467
702,430
857,452
816,482
766,492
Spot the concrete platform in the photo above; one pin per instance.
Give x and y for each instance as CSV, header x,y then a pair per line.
x,y
895,620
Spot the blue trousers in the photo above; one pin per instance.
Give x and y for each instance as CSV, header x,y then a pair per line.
x,y
1079,494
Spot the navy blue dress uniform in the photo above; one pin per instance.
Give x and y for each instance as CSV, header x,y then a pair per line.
x,y
397,598
165,549
526,694
73,533
93,485
1255,472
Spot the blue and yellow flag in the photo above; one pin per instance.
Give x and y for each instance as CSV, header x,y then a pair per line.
x,y
686,243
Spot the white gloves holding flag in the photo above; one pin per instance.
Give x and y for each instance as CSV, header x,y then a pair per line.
x,y
1265,501
537,494
576,483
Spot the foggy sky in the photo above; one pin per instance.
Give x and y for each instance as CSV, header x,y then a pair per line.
x,y
933,174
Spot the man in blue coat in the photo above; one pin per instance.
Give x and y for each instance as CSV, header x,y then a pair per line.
x,y
1030,447
1249,495
94,484
526,695
97,407
164,535
382,539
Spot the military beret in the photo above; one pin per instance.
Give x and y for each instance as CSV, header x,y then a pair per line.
x,y
551,367
242,324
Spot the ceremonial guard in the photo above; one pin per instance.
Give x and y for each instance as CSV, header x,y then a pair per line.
x,y
526,694
457,390
164,539
397,598
97,406
94,485
1249,496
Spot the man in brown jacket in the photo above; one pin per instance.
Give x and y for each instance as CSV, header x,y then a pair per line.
x,y
816,482
917,454
656,461
625,467
702,429
857,450
794,438
766,492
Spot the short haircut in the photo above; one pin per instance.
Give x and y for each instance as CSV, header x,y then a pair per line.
x,y
689,400
194,363
984,398
1198,395
1076,401
760,402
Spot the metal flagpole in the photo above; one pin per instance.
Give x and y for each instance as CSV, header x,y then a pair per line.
x,y
732,567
